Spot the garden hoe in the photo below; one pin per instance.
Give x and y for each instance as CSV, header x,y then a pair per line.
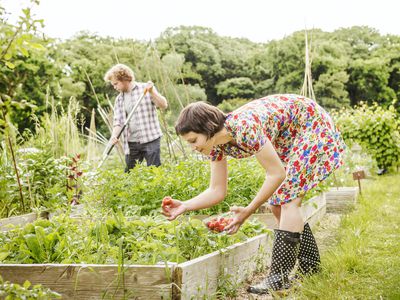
x,y
110,146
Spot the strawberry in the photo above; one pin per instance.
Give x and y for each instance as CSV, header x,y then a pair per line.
x,y
167,201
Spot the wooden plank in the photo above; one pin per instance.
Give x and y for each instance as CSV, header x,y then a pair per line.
x,y
199,277
341,200
9,223
77,281
318,213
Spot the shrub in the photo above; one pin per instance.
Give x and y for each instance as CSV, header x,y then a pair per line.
x,y
376,129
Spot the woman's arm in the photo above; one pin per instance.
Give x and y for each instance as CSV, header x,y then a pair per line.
x,y
215,193
217,190
276,174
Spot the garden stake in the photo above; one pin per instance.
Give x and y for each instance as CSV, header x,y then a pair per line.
x,y
110,146
357,176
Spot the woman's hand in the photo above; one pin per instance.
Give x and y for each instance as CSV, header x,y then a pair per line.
x,y
172,208
241,214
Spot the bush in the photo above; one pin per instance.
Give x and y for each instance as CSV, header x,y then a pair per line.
x,y
376,129
232,104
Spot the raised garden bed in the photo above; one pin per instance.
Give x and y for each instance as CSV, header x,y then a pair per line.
x,y
9,223
341,199
195,278
78,281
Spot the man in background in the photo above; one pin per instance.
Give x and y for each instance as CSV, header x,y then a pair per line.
x,y
141,138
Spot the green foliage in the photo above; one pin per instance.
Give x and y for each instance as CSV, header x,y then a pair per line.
x,y
376,129
14,291
26,68
139,191
58,130
230,105
101,239
369,80
18,39
42,177
330,90
238,87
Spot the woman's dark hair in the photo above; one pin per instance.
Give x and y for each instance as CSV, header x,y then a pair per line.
x,y
200,117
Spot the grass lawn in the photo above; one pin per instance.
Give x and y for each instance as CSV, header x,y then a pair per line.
x,y
364,263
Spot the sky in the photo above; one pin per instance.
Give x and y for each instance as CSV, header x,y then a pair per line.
x,y
257,20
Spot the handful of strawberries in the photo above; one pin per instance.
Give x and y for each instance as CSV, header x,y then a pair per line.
x,y
219,223
167,201
216,223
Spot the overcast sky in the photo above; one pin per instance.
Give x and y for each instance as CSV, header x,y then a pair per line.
x,y
257,20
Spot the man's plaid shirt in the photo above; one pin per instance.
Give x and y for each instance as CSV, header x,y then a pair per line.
x,y
146,113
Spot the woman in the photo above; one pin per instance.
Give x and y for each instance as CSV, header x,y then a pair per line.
x,y
295,141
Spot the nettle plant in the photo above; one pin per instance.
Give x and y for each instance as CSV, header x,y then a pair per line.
x,y
376,129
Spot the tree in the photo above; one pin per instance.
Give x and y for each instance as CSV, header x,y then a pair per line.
x,y
368,81
17,43
239,87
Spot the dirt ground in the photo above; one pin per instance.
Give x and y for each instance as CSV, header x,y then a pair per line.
x,y
324,232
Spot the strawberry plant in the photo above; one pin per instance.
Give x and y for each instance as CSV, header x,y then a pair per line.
x,y
135,193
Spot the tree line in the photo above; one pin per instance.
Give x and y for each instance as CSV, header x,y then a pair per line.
x,y
190,63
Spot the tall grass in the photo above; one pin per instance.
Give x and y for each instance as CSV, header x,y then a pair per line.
x,y
365,263
58,130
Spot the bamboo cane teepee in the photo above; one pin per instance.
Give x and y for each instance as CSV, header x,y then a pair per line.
x,y
307,89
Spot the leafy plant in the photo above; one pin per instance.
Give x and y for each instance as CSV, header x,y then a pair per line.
x,y
14,291
41,177
100,240
376,129
74,183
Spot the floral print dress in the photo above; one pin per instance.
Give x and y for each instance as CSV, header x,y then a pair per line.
x,y
301,132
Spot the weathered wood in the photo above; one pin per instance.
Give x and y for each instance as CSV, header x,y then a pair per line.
x,y
312,217
9,223
96,281
341,200
199,277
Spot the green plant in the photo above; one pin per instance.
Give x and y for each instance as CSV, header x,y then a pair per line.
x,y
14,291
100,238
230,105
74,182
42,181
376,129
139,191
